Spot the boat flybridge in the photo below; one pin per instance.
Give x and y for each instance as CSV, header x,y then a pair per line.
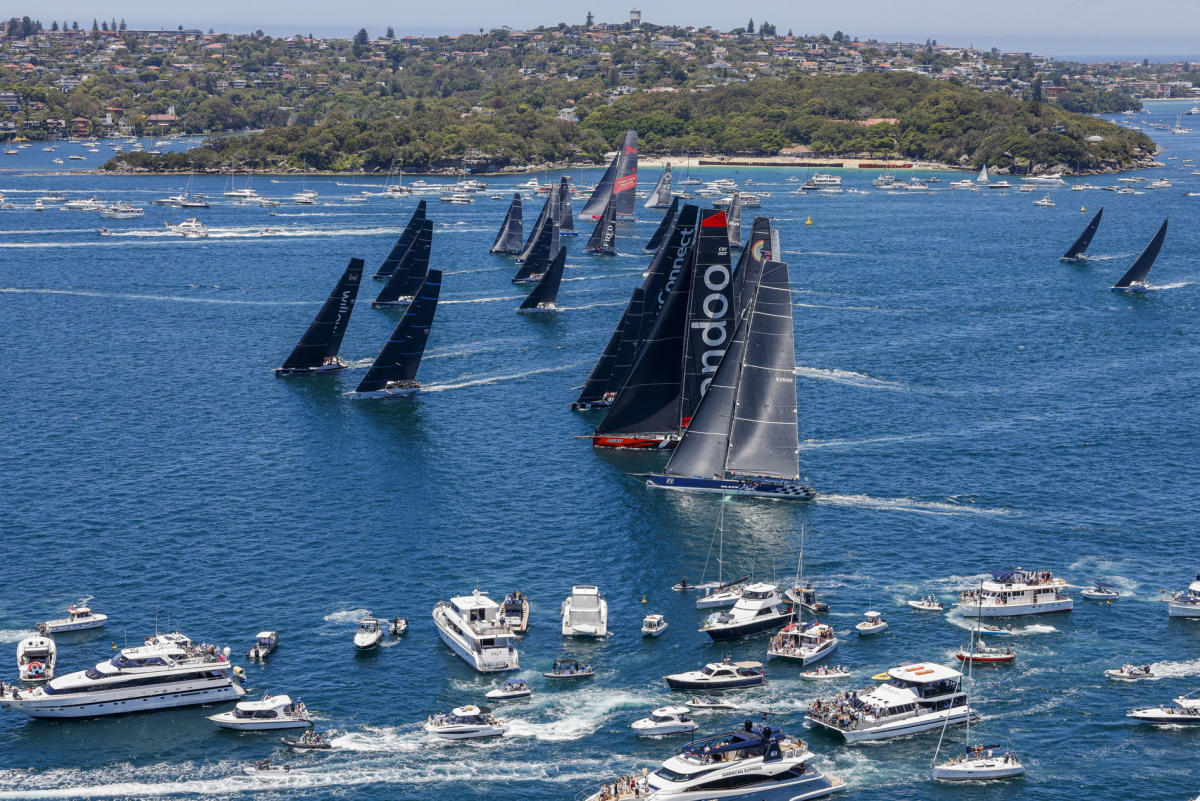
x,y
1186,603
78,617
759,608
168,671
585,613
471,626
1016,592
804,642
915,698
269,712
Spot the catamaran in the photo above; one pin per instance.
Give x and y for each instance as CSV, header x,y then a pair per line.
x,y
395,369
619,181
317,350
660,196
603,241
398,250
409,273
1134,280
1079,247
508,241
542,297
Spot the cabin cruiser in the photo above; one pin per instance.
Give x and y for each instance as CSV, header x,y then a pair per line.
x,y
168,671
760,608
665,720
466,722
242,194
804,643
806,596
368,635
457,198
653,625
1130,672
872,624
746,764
305,197
84,204
914,698
835,672
1186,711
190,228
585,613
264,643
928,603
965,183
1045,203
569,669
471,627
36,656
1000,185
269,712
122,211
514,609
78,617
709,703
1016,592
398,626
723,675
509,691
1186,603
823,179
979,762
1101,591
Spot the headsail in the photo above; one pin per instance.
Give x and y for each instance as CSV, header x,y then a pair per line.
x,y
664,226
1137,273
619,180
398,361
749,267
324,335
1080,245
566,220
604,238
733,221
410,272
406,238
631,333
538,259
660,198
546,216
511,235
546,291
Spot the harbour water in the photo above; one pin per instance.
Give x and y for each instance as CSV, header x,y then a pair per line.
x,y
967,403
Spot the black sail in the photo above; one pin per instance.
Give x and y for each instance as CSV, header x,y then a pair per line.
x,y
749,267
324,335
603,191
734,221
619,180
566,220
711,317
410,272
406,238
661,196
1137,273
630,337
601,376
604,238
511,235
545,217
664,226
401,355
1080,245
666,265
546,290
538,260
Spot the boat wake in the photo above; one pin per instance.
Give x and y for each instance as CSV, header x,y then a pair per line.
x,y
851,378
593,305
171,298
908,505
1169,669
13,635
812,444
347,616
477,300
474,382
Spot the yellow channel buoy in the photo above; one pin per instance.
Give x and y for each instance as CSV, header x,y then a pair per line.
x,y
1082,209
808,221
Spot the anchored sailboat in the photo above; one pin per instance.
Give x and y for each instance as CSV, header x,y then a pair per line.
x,y
603,241
542,298
660,197
566,220
317,350
664,227
538,257
508,241
406,237
410,272
619,180
733,215
1134,280
395,369
1080,245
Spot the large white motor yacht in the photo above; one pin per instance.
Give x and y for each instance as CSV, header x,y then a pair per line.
x,y
471,627
760,608
36,656
665,720
167,672
1185,712
1016,592
466,722
269,712
724,675
78,618
1186,603
915,698
585,613
804,642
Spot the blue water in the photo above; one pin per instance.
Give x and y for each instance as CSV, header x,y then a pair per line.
x,y
967,403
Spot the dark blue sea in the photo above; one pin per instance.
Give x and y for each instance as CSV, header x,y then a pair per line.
x,y
967,403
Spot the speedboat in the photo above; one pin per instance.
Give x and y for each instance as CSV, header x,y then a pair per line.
x,y
804,643
836,672
36,655
398,626
996,631
190,228
78,617
514,609
873,624
746,764
1186,603
806,596
1016,592
1102,591
1185,712
264,768
709,703
927,604
723,675
585,613
308,741
665,720
653,625
368,635
760,608
983,655
965,183
457,198
472,628
569,669
915,698
264,643
466,722
1130,672
978,762
1044,203
509,691
269,712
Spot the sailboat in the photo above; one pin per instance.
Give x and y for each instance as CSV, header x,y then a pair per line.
x,y
395,369
317,350
547,217
566,220
660,197
983,176
688,180
619,180
603,241
538,257
508,241
800,642
1075,253
721,593
410,271
406,237
664,227
733,216
743,439
1134,280
758,251
542,298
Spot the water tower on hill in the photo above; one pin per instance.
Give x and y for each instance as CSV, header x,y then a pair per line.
x,y
635,17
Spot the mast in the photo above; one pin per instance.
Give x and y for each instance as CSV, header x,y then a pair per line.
x,y
537,259
1141,268
619,180
323,338
406,238
566,220
401,354
604,238
410,272
664,226
546,292
508,241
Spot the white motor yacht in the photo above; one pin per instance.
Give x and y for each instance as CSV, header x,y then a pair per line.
x,y
242,194
509,691
824,179
1000,185
928,603
36,656
466,722
965,183
190,228
1044,203
471,627
78,617
665,720
872,624
1185,712
585,613
269,712
760,608
84,204
1131,672
167,672
1186,603
803,642
653,625
368,635
1016,592
915,698
723,675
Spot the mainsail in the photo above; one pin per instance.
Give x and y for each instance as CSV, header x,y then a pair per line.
x,y
406,238
619,180
401,355
1080,245
660,198
546,216
410,271
631,332
508,241
324,335
664,226
749,267
544,294
538,259
711,314
734,221
1137,273
604,238
566,220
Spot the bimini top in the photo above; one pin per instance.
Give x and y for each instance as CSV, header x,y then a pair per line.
x,y
267,702
924,673
752,738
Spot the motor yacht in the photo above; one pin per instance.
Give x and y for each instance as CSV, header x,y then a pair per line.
x,y
264,643
1101,591
723,675
168,671
758,609
1185,712
1044,203
1000,185
368,635
820,179
78,617
1016,592
653,625
965,183
242,194
665,720
747,764
872,624
835,672
36,655
569,669
928,603
471,627
915,698
84,204
465,723
1186,603
980,762
803,642
709,703
457,198
509,691
190,228
1130,672
122,211
514,609
585,613
269,712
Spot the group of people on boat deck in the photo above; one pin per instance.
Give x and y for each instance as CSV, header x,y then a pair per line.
x,y
977,752
6,689
310,738
566,666
845,709
624,787
782,644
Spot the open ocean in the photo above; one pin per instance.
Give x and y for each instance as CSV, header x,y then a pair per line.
x,y
967,403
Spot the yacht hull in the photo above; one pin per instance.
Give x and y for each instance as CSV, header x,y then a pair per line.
x,y
1177,609
739,630
634,443
900,728
977,769
757,487
324,368
1165,716
61,707
806,658
800,788
692,684
465,653
971,609
258,725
